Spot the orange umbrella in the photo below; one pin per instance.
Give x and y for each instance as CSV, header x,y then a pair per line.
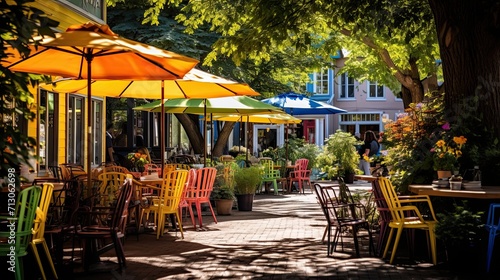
x,y
92,51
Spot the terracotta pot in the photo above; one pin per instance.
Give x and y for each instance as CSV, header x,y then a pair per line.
x,y
224,206
444,174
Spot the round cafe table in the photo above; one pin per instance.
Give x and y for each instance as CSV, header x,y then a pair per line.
x,y
486,192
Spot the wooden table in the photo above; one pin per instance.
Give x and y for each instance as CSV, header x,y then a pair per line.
x,y
368,178
486,192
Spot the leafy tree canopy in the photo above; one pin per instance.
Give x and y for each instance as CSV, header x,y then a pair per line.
x,y
392,37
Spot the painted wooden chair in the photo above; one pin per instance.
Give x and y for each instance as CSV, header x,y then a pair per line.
x,y
39,229
188,191
403,214
301,175
169,199
205,178
21,222
269,174
110,183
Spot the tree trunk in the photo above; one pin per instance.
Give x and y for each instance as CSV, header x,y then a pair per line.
x,y
191,125
468,35
222,139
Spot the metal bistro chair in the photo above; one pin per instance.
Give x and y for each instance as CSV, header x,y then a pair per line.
x,y
493,227
340,216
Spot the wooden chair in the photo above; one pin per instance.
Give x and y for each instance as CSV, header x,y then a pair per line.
x,y
39,228
301,175
269,174
169,199
403,217
114,230
24,216
205,178
110,183
341,214
188,191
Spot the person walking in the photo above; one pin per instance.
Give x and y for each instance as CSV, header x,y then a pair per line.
x,y
109,144
369,148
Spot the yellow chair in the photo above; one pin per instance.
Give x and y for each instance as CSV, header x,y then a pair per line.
x,y
407,216
169,199
39,228
111,182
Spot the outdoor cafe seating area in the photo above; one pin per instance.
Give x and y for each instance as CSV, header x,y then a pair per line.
x,y
77,221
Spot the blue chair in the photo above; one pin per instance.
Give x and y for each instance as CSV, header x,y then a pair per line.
x,y
493,227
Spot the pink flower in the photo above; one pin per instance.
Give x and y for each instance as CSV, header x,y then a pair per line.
x,y
446,126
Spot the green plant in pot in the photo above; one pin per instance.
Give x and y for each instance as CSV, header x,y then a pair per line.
x,y
339,157
223,192
246,181
461,230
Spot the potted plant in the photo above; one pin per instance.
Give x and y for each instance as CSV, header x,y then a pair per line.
x,y
224,197
339,157
461,230
223,192
246,181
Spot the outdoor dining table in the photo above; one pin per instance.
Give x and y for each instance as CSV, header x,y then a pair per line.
x,y
485,192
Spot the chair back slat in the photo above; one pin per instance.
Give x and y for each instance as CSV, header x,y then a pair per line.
x,y
42,210
171,192
205,178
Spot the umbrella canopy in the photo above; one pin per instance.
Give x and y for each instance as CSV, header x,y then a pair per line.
x,y
298,104
92,51
221,105
278,118
195,84
112,57
227,105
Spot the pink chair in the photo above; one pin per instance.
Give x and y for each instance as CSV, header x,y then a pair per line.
x,y
205,178
300,174
188,191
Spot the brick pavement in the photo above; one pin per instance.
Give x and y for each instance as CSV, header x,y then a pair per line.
x,y
279,239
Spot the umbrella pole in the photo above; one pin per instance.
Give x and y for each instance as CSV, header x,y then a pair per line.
x,y
286,142
212,134
162,128
88,57
246,142
205,129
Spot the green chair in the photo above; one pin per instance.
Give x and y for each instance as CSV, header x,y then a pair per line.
x,y
270,174
21,222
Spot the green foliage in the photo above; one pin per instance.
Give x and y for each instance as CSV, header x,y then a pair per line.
x,y
224,182
223,192
460,227
247,179
339,156
17,23
297,148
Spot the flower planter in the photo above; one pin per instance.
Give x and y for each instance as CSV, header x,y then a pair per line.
x,y
224,206
443,174
245,202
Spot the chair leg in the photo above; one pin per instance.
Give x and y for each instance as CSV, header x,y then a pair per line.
x,y
382,237
198,211
49,258
179,221
355,239
190,208
213,213
491,245
396,243
38,260
432,241
388,243
275,186
324,234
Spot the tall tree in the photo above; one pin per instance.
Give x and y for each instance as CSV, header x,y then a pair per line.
x,y
284,72
18,23
390,41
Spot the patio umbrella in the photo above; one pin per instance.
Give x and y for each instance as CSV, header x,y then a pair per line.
x,y
92,51
298,104
234,105
195,84
278,118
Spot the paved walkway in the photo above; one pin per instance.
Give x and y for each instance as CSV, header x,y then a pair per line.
x,y
279,239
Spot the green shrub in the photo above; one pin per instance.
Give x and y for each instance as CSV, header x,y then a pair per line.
x,y
247,179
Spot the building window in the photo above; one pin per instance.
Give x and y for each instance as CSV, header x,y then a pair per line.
x,y
346,86
375,90
321,82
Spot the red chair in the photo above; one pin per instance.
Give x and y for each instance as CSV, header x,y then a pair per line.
x,y
301,175
188,191
205,178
